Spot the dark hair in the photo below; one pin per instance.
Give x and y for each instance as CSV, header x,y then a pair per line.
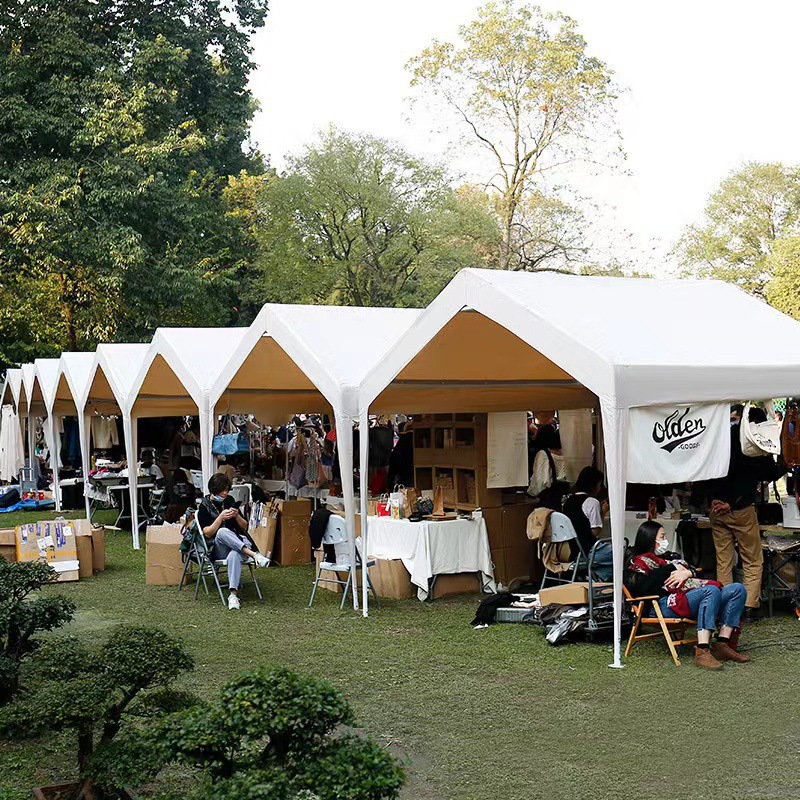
x,y
588,479
737,408
757,415
548,438
219,482
646,537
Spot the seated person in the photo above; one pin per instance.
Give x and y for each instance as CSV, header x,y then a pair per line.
x,y
654,570
586,514
149,467
226,531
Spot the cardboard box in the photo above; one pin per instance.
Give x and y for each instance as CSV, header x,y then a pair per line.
x,y
163,555
571,594
294,544
8,544
264,535
90,541
53,541
447,584
391,579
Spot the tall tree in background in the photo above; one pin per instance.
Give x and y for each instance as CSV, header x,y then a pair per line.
x,y
754,208
783,263
120,124
357,220
525,90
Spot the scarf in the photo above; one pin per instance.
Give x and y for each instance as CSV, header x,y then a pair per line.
x,y
677,601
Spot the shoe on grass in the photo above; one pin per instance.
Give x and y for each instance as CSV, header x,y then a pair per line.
x,y
724,652
233,602
261,560
704,659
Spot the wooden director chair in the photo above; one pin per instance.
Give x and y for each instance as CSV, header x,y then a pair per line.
x,y
667,625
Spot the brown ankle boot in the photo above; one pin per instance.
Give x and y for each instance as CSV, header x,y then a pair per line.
x,y
722,651
704,659
733,642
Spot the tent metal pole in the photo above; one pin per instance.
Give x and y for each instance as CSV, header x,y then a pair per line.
x,y
363,444
344,438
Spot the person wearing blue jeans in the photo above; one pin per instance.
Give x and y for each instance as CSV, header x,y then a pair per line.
x,y
654,570
225,530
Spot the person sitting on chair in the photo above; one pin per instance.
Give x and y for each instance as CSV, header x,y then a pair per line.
x,y
226,531
586,514
654,570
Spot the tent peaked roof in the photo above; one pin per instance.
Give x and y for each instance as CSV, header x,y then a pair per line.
x,y
197,355
28,380
47,373
13,385
77,368
639,341
121,364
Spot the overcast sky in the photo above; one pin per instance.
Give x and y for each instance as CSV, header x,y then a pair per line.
x,y
709,85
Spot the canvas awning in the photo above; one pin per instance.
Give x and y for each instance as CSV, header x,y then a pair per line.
x,y
496,340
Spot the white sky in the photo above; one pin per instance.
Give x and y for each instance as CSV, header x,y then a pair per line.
x,y
709,84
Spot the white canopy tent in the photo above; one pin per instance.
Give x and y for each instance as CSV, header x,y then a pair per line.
x,y
494,341
47,374
70,400
308,358
175,378
32,403
109,391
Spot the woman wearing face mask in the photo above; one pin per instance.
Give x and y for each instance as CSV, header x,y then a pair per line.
x,y
654,570
225,529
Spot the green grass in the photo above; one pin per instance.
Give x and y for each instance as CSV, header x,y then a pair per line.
x,y
496,713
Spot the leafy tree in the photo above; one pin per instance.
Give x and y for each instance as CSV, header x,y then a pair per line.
x,y
22,617
108,695
753,208
357,220
783,264
271,736
524,89
120,124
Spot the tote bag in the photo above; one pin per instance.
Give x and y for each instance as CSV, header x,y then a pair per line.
x,y
760,438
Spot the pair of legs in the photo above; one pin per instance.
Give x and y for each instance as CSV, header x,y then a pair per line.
x,y
710,605
234,549
739,528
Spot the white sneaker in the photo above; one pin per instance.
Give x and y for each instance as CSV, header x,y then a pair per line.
x,y
233,602
261,560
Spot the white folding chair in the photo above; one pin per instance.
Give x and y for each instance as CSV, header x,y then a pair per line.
x,y
342,564
562,532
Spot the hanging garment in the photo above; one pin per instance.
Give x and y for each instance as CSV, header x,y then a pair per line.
x,y
575,428
12,454
104,433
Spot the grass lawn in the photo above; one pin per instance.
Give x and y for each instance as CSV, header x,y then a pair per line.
x,y
496,714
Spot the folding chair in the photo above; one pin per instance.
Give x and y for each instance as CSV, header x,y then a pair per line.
x,y
342,564
666,625
562,532
200,555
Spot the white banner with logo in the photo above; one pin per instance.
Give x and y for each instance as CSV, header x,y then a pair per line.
x,y
676,443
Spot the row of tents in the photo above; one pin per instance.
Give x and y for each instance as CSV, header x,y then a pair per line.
x,y
491,341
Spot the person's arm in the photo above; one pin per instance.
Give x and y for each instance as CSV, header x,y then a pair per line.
x,y
210,528
594,513
642,584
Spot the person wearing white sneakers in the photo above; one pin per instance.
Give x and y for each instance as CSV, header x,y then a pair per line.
x,y
226,531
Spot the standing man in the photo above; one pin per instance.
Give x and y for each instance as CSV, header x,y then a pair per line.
x,y
733,515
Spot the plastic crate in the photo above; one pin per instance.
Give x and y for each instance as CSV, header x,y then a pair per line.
x,y
512,614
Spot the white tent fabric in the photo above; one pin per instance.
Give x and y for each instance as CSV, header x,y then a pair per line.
x,y
47,373
110,390
176,377
330,350
75,370
30,406
12,450
12,387
631,342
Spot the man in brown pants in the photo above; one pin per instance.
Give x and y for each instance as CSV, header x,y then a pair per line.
x,y
734,520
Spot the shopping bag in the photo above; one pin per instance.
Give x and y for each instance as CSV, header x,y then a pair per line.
x,y
384,509
759,438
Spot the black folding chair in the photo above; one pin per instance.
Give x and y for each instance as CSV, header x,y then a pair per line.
x,y
200,555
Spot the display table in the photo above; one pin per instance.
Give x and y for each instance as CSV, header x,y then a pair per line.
x,y
431,548
124,509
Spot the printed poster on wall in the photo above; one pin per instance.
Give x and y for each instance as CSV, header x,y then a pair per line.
x,y
676,443
507,449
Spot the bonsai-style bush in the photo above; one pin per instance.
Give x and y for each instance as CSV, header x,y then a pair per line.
x,y
274,735
22,617
111,695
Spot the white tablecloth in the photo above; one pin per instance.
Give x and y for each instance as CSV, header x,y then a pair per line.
x,y
433,548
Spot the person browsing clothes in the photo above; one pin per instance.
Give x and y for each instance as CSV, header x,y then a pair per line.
x,y
226,532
